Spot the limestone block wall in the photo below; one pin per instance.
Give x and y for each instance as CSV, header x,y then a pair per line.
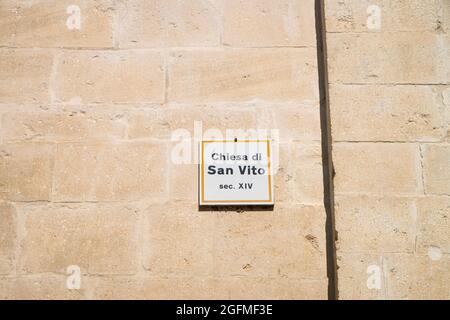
x,y
90,95
97,96
389,87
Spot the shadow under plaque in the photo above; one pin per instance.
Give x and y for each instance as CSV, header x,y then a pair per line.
x,y
236,208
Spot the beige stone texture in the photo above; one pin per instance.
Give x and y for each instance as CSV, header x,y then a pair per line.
x,y
356,271
25,76
179,241
292,122
445,94
183,184
283,186
179,122
436,164
110,77
44,23
149,288
240,75
207,288
377,168
289,242
307,173
183,242
433,223
390,130
417,277
444,21
296,123
269,23
396,15
403,276
110,172
248,288
168,23
402,58
100,239
375,225
386,113
8,237
38,287
26,171
75,125
92,124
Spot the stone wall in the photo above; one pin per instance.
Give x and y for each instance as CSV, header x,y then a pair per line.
x,y
88,107
96,97
389,87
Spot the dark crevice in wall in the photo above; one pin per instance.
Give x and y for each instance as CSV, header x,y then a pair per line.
x,y
327,161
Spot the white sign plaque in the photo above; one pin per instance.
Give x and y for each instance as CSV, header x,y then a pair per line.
x,y
235,173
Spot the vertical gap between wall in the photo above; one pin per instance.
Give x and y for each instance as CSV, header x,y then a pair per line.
x,y
327,161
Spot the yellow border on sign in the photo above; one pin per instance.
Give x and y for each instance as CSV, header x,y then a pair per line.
x,y
236,201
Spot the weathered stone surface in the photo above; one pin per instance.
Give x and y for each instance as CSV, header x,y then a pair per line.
x,y
207,288
97,238
270,244
433,224
89,125
361,276
308,174
283,173
152,288
45,287
160,23
390,127
296,123
248,288
184,182
8,237
375,225
402,58
128,171
178,241
436,169
62,126
445,15
243,75
44,23
399,275
110,77
26,171
386,113
269,23
180,122
25,76
446,102
379,168
417,277
395,15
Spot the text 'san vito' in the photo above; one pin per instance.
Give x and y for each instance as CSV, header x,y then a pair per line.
x,y
235,173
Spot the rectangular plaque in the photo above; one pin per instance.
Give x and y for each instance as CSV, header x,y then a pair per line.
x,y
235,173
